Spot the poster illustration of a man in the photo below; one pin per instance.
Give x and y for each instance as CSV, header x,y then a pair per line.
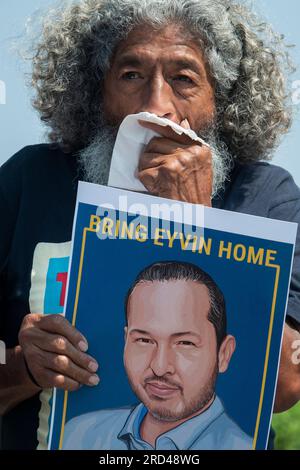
x,y
176,344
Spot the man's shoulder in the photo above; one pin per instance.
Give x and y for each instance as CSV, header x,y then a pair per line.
x,y
88,427
256,188
32,155
262,169
38,169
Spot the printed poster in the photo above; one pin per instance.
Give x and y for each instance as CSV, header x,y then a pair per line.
x,y
183,307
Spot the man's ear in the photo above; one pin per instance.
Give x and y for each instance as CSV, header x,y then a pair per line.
x,y
125,333
226,351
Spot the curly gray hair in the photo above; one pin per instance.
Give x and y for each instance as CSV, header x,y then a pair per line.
x,y
246,58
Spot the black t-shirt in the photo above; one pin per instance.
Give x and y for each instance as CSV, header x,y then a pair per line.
x,y
37,199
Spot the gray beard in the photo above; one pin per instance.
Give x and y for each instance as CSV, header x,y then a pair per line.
x,y
95,159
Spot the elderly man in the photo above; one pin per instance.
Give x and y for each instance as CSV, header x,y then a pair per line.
x,y
204,64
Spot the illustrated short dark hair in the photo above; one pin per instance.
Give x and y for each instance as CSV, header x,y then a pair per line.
x,y
182,271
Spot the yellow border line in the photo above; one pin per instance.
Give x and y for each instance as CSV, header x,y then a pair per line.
x,y
87,229
262,392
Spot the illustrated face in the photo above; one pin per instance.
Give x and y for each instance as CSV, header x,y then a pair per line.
x,y
170,355
162,72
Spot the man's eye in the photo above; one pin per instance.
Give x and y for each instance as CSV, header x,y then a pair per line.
x,y
131,76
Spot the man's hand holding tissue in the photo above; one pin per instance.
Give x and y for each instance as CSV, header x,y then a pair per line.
x,y
174,166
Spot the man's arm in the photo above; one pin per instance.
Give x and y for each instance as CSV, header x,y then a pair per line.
x,y
54,352
288,386
285,205
15,383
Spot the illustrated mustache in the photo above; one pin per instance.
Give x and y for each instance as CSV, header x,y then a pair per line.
x,y
162,380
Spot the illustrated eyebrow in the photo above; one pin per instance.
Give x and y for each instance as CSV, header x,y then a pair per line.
x,y
185,333
141,332
174,335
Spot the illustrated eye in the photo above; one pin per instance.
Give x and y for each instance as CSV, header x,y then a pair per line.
x,y
131,76
144,340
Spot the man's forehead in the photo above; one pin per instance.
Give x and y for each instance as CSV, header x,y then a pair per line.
x,y
181,58
142,42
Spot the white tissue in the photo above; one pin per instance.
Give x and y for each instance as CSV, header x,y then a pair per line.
x,y
130,143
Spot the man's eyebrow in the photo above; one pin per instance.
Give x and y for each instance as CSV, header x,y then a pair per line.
x,y
128,61
187,64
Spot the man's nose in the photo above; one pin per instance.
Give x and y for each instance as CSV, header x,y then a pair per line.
x,y
158,98
162,361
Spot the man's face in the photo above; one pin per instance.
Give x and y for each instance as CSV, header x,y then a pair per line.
x,y
162,72
171,350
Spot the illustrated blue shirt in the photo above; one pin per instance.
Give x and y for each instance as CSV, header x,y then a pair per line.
x,y
119,429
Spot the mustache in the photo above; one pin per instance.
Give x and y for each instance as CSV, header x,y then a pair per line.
x,y
162,380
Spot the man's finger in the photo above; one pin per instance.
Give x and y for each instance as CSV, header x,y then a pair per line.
x,y
64,365
164,146
185,124
148,178
53,379
59,325
167,132
39,362
53,343
151,160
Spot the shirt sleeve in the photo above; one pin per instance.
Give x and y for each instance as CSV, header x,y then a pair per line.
x,y
285,205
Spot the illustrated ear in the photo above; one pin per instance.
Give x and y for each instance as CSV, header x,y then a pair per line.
x,y
226,351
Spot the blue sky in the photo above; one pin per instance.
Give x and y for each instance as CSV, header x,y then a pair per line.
x,y
19,124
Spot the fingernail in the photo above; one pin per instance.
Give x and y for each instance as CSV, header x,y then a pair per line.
x,y
93,366
185,124
83,346
94,380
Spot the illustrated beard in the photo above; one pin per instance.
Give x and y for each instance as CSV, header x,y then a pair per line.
x,y
95,159
190,407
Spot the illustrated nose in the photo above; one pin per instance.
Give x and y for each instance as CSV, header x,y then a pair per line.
x,y
158,99
162,361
